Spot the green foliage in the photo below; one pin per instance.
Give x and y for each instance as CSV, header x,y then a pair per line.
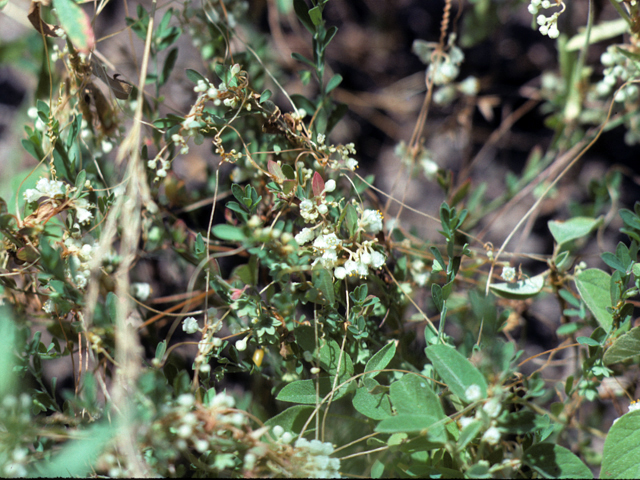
x,y
274,264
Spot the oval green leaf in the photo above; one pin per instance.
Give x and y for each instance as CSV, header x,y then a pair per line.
x,y
554,461
457,372
380,360
76,24
520,290
624,348
593,286
565,232
371,401
228,232
621,455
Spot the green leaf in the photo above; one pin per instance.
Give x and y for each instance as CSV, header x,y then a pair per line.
x,y
323,281
292,419
303,102
275,170
553,461
8,343
564,232
371,401
161,349
468,434
457,372
624,348
588,341
167,68
413,423
34,148
316,15
195,76
266,95
603,31
50,260
330,356
304,391
80,180
228,232
303,59
111,303
520,290
380,360
76,24
334,82
438,262
593,286
621,455
413,395
351,219
302,12
377,469
83,450
436,296
614,262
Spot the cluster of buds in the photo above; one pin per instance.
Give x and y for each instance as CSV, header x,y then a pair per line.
x,y
547,25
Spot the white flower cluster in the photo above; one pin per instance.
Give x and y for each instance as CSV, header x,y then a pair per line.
x,y
79,258
446,94
310,209
419,272
312,459
547,25
46,188
57,190
446,66
327,244
190,325
617,67
359,263
371,221
343,153
281,436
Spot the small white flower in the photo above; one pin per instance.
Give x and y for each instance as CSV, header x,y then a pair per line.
x,y
330,186
340,273
371,221
351,163
48,306
473,393
190,325
186,400
83,215
492,407
465,421
241,345
327,242
305,235
350,267
32,195
491,436
141,291
377,259
508,274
